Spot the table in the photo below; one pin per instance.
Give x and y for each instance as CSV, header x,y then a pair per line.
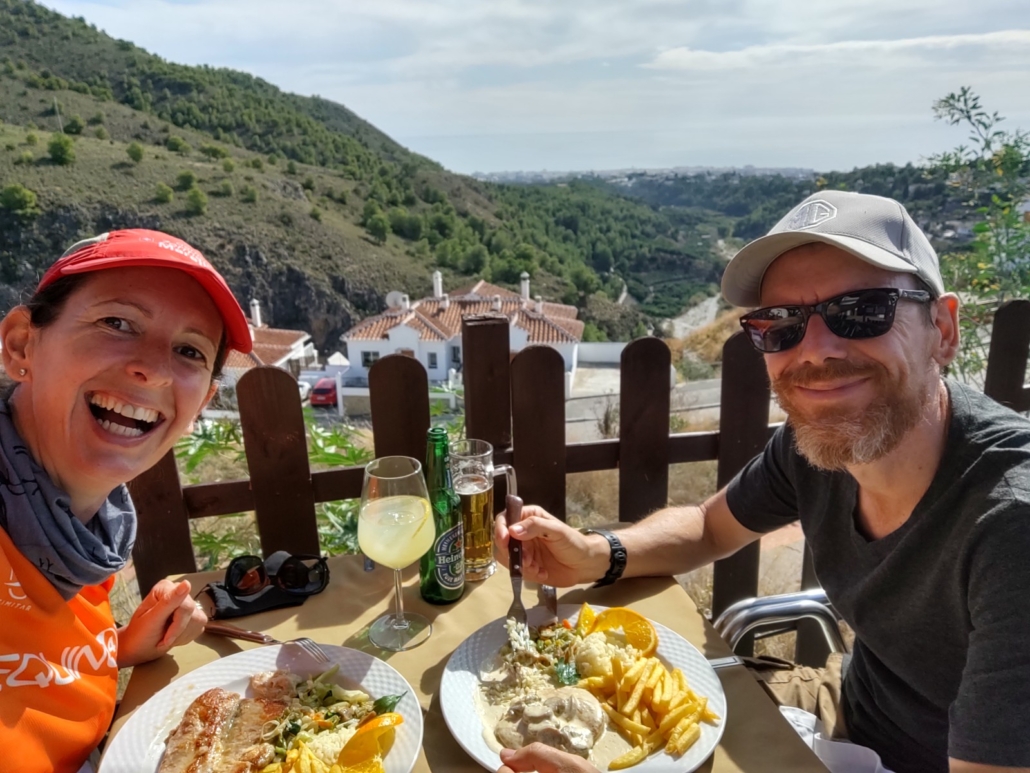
x,y
757,738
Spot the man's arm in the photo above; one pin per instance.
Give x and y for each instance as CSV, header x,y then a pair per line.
x,y
959,766
671,541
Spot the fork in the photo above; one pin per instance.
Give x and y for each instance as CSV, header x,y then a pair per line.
x,y
232,632
513,516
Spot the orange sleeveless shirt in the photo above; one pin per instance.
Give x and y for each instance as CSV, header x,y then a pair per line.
x,y
58,669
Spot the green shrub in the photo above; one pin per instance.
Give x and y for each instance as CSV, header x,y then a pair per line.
x,y
185,180
228,165
379,227
31,138
226,189
18,199
164,194
135,151
25,157
249,194
309,183
177,145
75,125
257,163
291,167
213,151
316,214
196,202
61,149
101,133
98,118
10,146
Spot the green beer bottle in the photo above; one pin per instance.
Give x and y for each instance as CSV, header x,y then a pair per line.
x,y
442,569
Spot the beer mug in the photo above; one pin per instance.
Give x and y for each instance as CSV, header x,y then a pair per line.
x,y
473,472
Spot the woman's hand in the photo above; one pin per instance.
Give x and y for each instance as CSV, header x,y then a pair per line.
x,y
166,618
552,551
542,759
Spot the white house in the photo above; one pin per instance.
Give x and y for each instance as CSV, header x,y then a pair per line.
x,y
430,329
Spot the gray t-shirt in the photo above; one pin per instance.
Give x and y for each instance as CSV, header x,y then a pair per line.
x,y
940,607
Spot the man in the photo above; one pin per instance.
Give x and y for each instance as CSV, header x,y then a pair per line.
x,y
913,492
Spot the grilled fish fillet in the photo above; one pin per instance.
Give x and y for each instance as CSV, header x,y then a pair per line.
x,y
195,746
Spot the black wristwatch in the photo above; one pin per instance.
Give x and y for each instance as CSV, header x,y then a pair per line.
x,y
617,560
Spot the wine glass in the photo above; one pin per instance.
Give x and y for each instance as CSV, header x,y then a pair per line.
x,y
395,529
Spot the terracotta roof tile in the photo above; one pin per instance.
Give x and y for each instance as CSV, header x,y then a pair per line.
x,y
277,336
270,354
239,361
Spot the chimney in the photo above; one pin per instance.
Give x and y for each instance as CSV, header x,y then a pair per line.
x,y
255,312
539,304
437,284
445,301
405,303
497,303
524,277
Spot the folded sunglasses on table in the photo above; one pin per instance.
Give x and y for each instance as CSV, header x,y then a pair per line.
x,y
254,585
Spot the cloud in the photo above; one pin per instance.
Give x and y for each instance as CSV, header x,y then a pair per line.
x,y
1007,43
602,82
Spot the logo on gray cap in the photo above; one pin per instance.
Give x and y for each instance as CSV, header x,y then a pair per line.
x,y
811,214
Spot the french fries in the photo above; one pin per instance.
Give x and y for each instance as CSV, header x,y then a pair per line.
x,y
651,707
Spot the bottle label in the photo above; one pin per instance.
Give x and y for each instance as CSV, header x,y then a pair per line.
x,y
450,559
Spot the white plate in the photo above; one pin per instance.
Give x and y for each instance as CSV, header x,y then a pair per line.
x,y
140,743
461,680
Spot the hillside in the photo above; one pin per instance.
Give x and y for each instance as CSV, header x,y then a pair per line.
x,y
339,215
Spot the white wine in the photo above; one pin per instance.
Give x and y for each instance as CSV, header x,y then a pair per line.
x,y
476,493
396,531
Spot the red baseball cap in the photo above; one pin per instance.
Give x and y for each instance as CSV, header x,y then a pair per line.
x,y
139,247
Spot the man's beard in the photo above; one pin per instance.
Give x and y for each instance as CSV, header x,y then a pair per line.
x,y
834,437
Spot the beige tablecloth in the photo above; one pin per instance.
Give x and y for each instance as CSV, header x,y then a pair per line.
x,y
757,739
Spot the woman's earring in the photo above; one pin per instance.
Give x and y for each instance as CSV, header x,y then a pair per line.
x,y
22,371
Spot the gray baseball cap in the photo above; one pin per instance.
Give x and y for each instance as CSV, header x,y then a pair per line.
x,y
872,228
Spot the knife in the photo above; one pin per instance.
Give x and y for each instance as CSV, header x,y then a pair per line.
x,y
547,596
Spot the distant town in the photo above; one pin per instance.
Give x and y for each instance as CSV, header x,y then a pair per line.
x,y
627,176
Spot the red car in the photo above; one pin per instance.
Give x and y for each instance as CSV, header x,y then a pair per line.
x,y
324,392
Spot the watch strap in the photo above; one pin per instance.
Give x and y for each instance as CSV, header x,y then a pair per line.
x,y
617,559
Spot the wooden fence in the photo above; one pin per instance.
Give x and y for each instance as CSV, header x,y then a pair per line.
x,y
517,404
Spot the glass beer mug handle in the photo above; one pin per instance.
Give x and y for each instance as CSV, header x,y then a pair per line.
x,y
509,476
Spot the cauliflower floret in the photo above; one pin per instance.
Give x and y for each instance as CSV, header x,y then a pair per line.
x,y
594,654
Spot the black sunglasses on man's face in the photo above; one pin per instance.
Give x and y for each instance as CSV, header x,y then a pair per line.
x,y
858,314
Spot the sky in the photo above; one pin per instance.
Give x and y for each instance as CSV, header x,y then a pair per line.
x,y
505,85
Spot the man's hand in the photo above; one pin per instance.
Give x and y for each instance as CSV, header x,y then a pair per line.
x,y
542,759
552,551
166,618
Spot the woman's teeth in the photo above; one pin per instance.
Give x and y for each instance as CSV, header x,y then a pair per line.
x,y
139,413
118,429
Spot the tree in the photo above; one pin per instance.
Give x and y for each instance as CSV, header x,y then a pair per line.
x,y
135,151
18,200
74,125
164,194
993,172
196,202
61,149
291,167
379,227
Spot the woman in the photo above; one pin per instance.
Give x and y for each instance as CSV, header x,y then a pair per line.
x,y
112,360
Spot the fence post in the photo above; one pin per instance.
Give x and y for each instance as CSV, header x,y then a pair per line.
x,y
163,545
1006,361
743,433
277,457
398,389
644,428
538,427
487,377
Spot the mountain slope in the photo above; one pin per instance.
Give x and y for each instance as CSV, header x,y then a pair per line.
x,y
403,215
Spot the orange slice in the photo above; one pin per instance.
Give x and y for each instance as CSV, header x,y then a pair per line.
x,y
373,739
638,629
374,765
585,621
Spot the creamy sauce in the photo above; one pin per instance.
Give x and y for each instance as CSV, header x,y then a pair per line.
x,y
608,747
